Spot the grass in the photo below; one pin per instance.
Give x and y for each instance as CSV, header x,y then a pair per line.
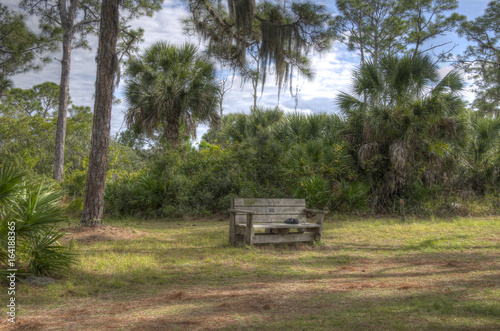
x,y
370,274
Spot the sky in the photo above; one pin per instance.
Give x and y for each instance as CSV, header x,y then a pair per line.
x,y
333,69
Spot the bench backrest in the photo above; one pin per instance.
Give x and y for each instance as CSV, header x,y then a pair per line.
x,y
270,210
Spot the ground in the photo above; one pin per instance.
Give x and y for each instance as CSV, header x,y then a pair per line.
x,y
370,274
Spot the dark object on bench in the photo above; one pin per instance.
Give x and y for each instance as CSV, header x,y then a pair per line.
x,y
260,221
292,221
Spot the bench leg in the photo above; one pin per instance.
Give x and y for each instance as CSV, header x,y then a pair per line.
x,y
232,225
319,220
250,230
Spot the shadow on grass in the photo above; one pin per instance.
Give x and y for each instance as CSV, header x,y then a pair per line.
x,y
199,282
219,267
323,310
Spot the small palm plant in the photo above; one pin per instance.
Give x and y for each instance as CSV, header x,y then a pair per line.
x,y
36,211
352,197
315,189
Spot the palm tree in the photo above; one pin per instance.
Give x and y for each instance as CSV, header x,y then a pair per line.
x,y
402,118
168,86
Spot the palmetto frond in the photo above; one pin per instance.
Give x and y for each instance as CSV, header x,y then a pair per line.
x,y
452,81
349,105
485,136
10,185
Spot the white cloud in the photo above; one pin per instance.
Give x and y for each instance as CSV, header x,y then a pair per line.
x,y
444,71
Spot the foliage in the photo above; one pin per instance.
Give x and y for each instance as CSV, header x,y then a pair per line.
x,y
35,211
352,196
315,189
169,86
481,59
402,122
196,181
480,164
41,100
403,132
27,134
27,130
20,48
378,28
273,34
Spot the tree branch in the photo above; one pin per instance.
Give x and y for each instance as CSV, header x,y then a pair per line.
x,y
86,22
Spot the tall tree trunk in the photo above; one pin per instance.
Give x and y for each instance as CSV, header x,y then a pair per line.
x,y
62,111
107,64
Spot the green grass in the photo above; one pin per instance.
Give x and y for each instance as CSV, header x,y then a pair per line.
x,y
366,274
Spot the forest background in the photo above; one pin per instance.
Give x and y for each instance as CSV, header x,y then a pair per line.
x,y
438,152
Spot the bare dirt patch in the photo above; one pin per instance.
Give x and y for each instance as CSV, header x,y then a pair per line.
x,y
87,235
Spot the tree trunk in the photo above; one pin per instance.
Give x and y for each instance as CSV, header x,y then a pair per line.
x,y
107,64
172,130
62,112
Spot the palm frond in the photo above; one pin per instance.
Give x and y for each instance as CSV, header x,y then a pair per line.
x,y
10,184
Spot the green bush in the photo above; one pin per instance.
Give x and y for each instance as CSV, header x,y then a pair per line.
x,y
345,163
352,197
315,189
199,182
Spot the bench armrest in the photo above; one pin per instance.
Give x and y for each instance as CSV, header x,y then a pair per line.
x,y
249,216
319,211
241,211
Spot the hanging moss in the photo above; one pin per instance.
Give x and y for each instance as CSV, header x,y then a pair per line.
x,y
278,35
242,13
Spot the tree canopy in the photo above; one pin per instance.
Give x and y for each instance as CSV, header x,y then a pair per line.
x,y
269,34
22,49
379,28
482,58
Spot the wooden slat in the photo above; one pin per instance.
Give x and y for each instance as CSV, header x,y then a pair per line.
x,y
285,226
316,211
279,226
269,210
238,202
291,237
241,211
270,218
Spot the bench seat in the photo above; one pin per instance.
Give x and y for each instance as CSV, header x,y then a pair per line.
x,y
281,226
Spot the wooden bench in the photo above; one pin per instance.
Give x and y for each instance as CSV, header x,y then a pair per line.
x,y
260,221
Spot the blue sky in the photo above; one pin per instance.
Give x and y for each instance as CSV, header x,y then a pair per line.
x,y
333,69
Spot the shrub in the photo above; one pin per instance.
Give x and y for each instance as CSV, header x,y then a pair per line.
x,y
352,197
36,210
315,189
